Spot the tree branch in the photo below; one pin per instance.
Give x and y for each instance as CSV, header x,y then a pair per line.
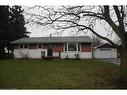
x,y
85,27
111,23
104,38
120,18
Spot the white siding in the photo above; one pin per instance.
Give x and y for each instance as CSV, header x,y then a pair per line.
x,y
86,55
82,55
55,54
36,53
30,53
105,54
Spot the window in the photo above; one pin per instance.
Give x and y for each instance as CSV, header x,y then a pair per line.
x,y
32,46
39,46
50,46
16,46
21,46
25,46
54,45
72,47
107,49
102,49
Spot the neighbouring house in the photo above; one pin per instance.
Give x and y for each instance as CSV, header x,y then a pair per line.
x,y
105,51
62,47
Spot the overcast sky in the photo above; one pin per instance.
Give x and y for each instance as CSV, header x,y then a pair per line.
x,y
39,31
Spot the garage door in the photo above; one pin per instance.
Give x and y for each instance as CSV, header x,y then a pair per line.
x,y
104,53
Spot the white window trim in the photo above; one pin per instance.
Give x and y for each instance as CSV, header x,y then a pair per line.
x,y
67,46
76,47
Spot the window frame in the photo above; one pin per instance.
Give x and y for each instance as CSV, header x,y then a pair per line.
x,y
25,47
71,46
21,45
38,46
78,47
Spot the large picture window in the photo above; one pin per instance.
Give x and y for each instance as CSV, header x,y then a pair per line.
x,y
72,47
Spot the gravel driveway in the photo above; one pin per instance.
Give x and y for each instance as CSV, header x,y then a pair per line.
x,y
111,60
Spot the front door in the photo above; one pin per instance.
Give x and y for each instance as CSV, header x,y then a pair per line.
x,y
49,52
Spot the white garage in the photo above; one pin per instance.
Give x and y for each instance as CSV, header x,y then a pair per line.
x,y
105,51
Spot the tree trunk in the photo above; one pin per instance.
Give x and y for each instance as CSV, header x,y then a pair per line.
x,y
123,67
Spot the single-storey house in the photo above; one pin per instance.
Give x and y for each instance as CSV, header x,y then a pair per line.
x,y
62,47
105,51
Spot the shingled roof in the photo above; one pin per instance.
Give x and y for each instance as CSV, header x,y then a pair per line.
x,y
52,40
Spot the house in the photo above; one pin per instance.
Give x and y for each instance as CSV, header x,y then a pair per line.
x,y
62,47
105,51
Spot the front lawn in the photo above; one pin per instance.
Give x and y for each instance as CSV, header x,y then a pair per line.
x,y
57,74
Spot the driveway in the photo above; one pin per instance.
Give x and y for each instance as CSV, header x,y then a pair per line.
x,y
111,60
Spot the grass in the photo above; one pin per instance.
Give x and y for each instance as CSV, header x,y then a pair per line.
x,y
57,74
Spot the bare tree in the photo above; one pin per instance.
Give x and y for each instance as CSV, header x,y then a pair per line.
x,y
85,18
96,40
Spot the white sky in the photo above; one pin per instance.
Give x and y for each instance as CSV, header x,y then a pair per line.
x,y
42,32
39,32
63,2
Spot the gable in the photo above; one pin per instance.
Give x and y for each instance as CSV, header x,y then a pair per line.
x,y
105,46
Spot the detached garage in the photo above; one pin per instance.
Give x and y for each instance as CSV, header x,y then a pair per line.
x,y
105,51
